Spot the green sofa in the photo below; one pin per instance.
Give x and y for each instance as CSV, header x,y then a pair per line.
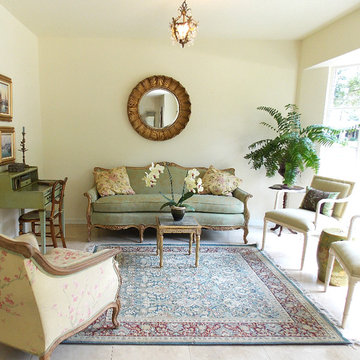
x,y
140,210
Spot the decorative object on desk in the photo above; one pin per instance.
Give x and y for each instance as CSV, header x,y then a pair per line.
x,y
22,145
191,184
184,27
16,167
6,107
238,296
7,143
294,148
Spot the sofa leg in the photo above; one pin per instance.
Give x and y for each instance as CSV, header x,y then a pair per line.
x,y
89,232
246,232
141,232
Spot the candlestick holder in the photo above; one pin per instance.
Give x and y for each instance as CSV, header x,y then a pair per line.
x,y
22,146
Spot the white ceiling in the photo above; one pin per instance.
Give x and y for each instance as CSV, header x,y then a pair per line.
x,y
251,19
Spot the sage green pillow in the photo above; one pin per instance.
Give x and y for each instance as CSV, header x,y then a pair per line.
x,y
313,196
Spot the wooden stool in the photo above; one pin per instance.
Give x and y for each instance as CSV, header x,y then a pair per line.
x,y
327,237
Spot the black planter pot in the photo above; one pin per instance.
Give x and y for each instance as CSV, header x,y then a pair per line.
x,y
178,212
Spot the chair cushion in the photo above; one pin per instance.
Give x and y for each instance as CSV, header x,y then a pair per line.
x,y
349,254
300,219
113,181
153,202
313,196
218,182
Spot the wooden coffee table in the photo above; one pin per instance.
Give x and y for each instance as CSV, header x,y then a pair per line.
x,y
188,225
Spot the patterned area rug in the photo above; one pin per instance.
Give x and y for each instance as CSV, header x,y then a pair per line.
x,y
235,296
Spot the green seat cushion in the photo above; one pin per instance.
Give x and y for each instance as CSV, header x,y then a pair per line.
x,y
153,202
349,253
300,219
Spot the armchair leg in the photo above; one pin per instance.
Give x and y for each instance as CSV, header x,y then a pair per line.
x,y
306,236
264,234
115,313
349,295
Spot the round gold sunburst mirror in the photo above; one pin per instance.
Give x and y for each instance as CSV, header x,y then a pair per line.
x,y
159,108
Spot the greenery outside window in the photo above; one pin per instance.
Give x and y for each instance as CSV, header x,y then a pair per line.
x,y
343,105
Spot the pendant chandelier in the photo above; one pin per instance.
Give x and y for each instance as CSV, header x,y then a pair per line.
x,y
184,27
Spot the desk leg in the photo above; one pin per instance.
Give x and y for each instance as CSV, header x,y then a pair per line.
x,y
161,243
63,219
42,215
197,250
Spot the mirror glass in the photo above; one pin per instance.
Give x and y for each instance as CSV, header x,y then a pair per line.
x,y
158,108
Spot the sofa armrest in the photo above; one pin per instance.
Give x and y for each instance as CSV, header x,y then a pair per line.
x,y
92,194
242,195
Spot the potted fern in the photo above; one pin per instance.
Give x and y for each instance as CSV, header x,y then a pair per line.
x,y
293,148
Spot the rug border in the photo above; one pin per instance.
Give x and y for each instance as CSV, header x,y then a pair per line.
x,y
293,282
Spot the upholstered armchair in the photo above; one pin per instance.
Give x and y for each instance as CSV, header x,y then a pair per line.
x,y
44,299
308,222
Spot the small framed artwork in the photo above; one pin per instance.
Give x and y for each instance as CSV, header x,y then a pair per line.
x,y
7,145
6,107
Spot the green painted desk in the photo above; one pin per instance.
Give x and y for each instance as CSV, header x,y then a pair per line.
x,y
23,190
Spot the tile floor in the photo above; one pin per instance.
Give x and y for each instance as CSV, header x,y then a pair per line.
x,y
285,250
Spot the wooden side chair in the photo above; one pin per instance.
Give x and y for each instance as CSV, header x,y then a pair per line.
x,y
312,222
347,253
55,213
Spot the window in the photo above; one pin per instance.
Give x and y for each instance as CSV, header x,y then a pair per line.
x,y
343,107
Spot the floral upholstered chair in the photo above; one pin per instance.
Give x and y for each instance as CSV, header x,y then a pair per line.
x,y
44,299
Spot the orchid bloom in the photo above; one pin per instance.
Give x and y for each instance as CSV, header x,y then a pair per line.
x,y
199,185
191,183
150,181
156,170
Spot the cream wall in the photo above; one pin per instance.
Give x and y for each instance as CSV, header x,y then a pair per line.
x,y
331,42
334,40
85,84
19,61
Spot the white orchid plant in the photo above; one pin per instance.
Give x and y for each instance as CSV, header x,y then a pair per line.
x,y
192,184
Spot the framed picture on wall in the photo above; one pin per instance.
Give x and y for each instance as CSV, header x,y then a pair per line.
x,y
6,107
7,145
